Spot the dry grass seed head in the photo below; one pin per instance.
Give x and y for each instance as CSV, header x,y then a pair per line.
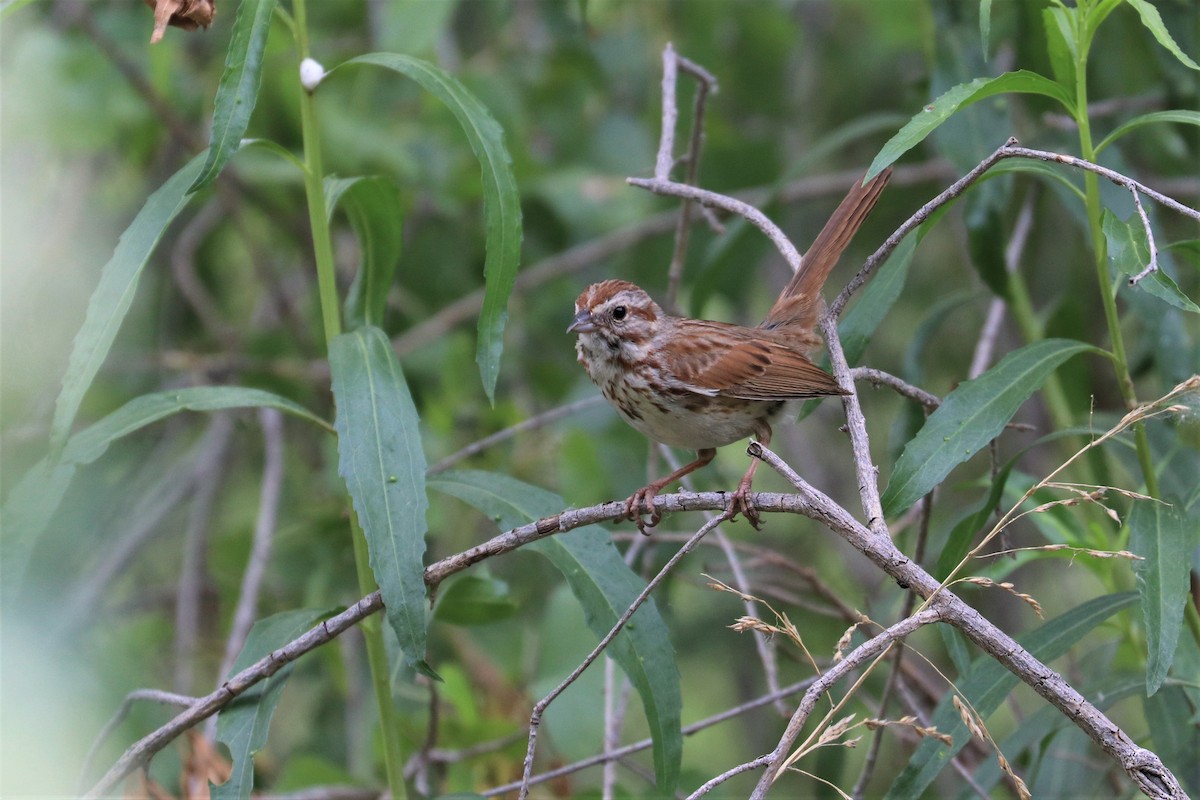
x,y
1008,587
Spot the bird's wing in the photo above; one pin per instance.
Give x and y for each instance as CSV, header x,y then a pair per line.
x,y
717,359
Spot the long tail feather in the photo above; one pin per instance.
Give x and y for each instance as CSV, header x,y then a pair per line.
x,y
800,300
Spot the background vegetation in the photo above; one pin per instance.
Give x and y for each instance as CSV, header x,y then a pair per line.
x,y
136,578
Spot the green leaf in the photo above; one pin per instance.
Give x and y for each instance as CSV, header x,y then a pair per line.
x,y
380,457
1173,115
1157,533
242,725
501,202
474,600
1059,25
373,207
970,417
1176,737
859,323
605,587
937,112
986,685
1129,254
1044,723
35,498
1154,24
114,293
237,91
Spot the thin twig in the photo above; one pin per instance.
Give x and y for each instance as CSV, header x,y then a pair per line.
x,y
539,708
880,378
856,424
153,695
1013,150
645,744
704,84
725,203
532,423
1153,265
996,308
665,159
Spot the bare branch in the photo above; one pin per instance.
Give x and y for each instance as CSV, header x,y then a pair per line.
x,y
1153,265
724,203
532,423
880,378
1143,767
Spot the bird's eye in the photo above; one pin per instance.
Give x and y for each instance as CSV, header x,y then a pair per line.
x,y
619,313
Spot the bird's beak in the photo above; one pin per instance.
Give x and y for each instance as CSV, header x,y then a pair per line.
x,y
582,323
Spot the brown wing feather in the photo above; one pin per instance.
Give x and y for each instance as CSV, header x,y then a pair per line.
x,y
753,367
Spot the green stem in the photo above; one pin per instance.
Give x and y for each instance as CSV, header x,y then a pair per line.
x,y
380,674
318,218
1108,297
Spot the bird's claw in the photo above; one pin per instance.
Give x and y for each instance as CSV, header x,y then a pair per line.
x,y
643,497
743,504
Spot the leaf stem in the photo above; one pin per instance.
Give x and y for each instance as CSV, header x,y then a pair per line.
x,y
314,190
1108,299
318,218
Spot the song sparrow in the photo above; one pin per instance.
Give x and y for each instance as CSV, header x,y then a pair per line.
x,y
699,384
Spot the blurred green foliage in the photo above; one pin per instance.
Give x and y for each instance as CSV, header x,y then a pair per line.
x,y
93,120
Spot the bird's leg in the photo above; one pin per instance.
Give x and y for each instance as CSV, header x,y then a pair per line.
x,y
741,498
645,495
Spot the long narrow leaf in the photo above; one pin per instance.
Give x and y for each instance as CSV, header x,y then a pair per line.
x,y
33,501
970,417
373,207
114,293
927,120
1172,115
1153,22
1157,533
986,685
237,91
243,724
380,458
501,202
605,587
